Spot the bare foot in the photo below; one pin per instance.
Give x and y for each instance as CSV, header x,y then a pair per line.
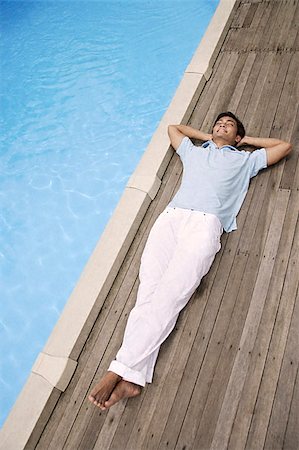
x,y
123,389
103,390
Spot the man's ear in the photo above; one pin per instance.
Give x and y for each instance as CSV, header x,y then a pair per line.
x,y
238,139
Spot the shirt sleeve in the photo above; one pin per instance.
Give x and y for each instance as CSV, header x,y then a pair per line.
x,y
185,147
258,161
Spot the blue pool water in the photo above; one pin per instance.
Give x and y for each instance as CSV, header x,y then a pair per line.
x,y
83,87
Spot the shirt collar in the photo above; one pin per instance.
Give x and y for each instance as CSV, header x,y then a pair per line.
x,y
212,144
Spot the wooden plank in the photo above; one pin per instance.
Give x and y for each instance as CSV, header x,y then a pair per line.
x,y
285,387
280,26
291,39
266,95
253,38
266,109
250,86
287,120
296,177
239,39
208,93
291,439
239,371
241,15
234,38
266,117
242,81
263,41
249,394
267,123
261,84
108,430
260,420
226,88
251,13
253,1
288,100
291,163
206,395
296,45
286,38
262,12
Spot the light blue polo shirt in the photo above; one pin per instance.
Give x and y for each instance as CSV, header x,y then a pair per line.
x,y
216,180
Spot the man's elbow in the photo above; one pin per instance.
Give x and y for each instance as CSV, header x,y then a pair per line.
x,y
279,152
171,129
289,148
286,149
175,136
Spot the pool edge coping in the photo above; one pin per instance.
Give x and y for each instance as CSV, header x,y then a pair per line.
x,y
55,365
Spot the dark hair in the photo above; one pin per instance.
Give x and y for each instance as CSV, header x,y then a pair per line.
x,y
240,126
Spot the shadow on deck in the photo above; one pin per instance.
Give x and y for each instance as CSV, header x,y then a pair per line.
x,y
227,377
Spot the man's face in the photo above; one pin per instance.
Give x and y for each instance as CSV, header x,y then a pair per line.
x,y
226,129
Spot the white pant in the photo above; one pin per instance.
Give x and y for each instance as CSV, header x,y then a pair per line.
x,y
179,252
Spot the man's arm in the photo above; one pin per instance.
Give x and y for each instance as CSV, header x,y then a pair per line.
x,y
275,148
177,133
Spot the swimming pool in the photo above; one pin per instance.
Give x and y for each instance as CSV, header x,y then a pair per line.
x,y
83,87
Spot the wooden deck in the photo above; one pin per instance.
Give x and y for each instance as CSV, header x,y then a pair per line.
x,y
227,377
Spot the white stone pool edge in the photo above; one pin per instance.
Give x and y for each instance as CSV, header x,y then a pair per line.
x,y
55,365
